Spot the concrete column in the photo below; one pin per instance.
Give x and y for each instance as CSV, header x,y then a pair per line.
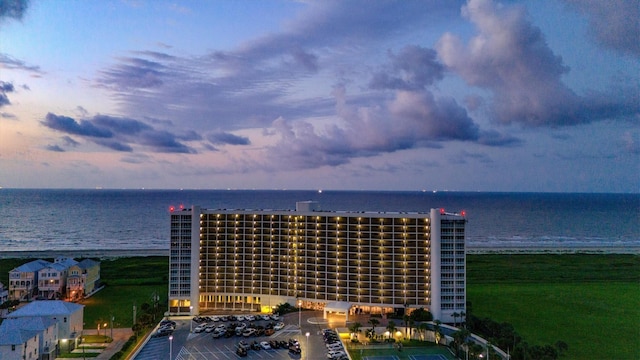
x,y
435,265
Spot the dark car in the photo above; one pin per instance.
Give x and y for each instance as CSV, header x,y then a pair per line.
x,y
274,344
294,349
241,352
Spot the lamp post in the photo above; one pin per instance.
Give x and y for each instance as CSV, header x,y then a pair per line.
x,y
299,314
191,320
112,318
170,347
306,355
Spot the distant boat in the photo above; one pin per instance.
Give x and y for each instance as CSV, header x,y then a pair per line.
x,y
320,191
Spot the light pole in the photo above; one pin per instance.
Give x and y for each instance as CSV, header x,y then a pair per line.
x,y
306,355
112,318
170,347
191,320
299,314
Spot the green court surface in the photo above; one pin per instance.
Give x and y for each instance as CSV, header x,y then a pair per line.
x,y
407,353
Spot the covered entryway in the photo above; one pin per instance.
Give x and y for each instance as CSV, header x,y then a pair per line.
x,y
337,307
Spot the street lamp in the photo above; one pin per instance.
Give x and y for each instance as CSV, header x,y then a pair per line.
x,y
306,355
299,314
191,320
170,347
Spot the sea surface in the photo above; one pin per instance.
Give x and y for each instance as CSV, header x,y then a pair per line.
x,y
43,220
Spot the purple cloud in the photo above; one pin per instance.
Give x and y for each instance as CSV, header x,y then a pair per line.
x,y
118,133
613,24
511,58
413,68
227,138
13,9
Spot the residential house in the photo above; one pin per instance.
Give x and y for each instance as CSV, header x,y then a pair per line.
x,y
23,280
68,316
47,330
19,344
4,293
83,279
52,280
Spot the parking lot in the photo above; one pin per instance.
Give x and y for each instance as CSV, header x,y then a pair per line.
x,y
185,344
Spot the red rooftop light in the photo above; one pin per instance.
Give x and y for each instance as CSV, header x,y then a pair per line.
x,y
172,208
463,213
441,211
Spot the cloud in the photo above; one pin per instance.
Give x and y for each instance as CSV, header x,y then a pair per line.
x,y
13,9
9,62
511,58
5,87
55,148
613,24
119,133
227,138
6,115
414,68
68,141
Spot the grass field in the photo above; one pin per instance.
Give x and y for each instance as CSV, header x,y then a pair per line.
x,y
592,302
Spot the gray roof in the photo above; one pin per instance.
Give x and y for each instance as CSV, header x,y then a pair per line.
x,y
88,263
32,266
16,337
46,308
38,323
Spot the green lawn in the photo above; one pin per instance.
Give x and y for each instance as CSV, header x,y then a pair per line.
x,y
592,302
129,282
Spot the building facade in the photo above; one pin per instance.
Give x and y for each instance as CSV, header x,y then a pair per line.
x,y
253,260
83,279
23,280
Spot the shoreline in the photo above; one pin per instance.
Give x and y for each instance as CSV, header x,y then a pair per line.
x,y
120,253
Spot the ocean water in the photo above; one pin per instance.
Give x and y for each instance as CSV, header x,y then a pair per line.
x,y
37,220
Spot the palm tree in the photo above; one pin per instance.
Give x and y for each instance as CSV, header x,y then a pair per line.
x,y
455,319
462,318
354,329
422,328
391,328
374,322
411,324
436,331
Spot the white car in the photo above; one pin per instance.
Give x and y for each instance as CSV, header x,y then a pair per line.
x,y
265,345
200,328
275,317
249,332
250,317
240,317
335,347
210,328
278,326
215,318
265,317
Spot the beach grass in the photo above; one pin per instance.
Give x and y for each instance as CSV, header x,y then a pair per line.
x,y
589,301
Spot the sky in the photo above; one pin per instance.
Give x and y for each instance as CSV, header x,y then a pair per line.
x,y
477,95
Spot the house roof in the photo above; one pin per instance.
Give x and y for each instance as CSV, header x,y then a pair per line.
x,y
38,323
88,263
56,267
46,308
32,266
16,337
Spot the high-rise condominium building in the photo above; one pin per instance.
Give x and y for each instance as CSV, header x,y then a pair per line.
x,y
253,260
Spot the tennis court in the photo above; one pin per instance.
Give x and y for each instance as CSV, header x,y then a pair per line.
x,y
407,353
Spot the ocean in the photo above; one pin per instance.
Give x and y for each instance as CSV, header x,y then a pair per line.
x,y
43,220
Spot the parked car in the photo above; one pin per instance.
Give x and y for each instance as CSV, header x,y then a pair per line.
x,y
278,326
265,317
269,332
335,354
243,344
265,345
249,332
295,349
241,352
200,328
275,317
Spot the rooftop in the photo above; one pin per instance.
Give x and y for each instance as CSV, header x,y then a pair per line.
x,y
46,308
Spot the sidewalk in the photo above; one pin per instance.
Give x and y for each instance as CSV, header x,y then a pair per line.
x,y
120,336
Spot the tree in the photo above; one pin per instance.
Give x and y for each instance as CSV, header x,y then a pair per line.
x,y
460,338
374,322
354,329
411,325
437,332
561,346
421,315
391,328
422,329
455,318
462,318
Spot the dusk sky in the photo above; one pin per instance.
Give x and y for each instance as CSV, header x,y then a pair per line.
x,y
478,95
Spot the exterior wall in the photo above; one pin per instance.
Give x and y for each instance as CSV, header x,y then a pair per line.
x,y
180,261
25,351
4,293
253,259
75,283
92,278
52,282
21,284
